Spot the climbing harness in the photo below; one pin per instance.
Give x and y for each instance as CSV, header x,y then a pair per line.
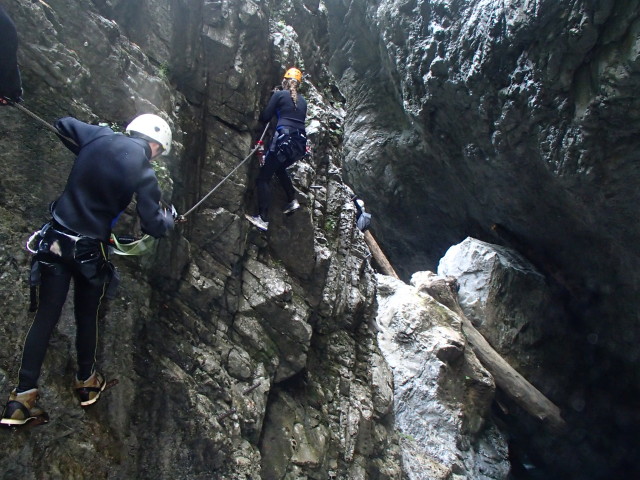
x,y
64,243
54,246
289,145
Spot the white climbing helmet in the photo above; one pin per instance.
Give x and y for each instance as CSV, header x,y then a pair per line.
x,y
152,127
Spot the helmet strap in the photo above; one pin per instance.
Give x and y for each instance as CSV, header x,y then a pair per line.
x,y
147,138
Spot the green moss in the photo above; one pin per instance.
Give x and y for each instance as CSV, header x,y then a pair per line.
x,y
163,175
164,71
407,437
116,127
330,225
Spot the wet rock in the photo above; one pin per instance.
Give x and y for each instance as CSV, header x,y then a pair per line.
x,y
442,393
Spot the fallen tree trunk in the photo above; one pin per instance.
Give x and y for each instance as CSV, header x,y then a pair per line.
x,y
528,397
514,385
379,256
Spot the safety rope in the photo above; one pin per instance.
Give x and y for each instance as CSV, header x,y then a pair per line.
x,y
43,122
227,177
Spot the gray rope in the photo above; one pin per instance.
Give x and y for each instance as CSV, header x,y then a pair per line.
x,y
43,122
227,177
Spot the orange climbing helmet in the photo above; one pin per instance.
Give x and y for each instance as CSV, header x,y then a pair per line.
x,y
294,73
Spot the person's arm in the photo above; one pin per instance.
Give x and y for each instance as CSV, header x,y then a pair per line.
x,y
75,134
10,82
271,108
154,220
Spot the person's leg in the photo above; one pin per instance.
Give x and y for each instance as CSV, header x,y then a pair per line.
x,y
285,181
87,301
270,166
52,294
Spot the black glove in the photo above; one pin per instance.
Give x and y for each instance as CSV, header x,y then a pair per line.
x,y
11,98
177,218
5,101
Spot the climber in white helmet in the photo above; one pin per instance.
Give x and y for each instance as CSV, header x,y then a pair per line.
x,y
109,169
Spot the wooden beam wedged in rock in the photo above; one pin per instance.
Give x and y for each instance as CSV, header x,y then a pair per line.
x,y
506,377
379,256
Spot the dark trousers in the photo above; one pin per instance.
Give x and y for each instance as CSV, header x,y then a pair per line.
x,y
10,82
273,166
53,289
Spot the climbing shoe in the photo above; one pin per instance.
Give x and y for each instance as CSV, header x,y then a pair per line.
x,y
22,408
258,222
89,391
291,207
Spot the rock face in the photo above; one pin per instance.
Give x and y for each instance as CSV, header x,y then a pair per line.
x,y
510,302
240,354
246,355
503,121
511,121
504,296
471,95
442,392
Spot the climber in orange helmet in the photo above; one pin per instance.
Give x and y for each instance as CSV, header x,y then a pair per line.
x,y
289,145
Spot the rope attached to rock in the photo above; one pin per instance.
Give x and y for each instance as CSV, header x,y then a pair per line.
x,y
227,177
43,122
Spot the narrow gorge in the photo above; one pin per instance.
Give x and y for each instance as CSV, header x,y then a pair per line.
x,y
495,144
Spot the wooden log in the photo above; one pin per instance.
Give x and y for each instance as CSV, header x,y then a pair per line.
x,y
379,256
528,397
507,378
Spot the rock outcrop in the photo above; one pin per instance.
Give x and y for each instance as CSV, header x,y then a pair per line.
x,y
443,394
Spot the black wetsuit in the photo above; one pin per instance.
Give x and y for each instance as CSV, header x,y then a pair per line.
x,y
290,128
10,83
109,169
289,115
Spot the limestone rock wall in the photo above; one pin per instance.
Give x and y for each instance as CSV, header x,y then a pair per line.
x,y
239,354
505,121
443,394
511,122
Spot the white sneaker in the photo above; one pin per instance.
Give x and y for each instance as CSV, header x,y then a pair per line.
x,y
291,207
258,222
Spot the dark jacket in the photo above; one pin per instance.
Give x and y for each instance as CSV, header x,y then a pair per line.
x,y
109,169
289,115
10,83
